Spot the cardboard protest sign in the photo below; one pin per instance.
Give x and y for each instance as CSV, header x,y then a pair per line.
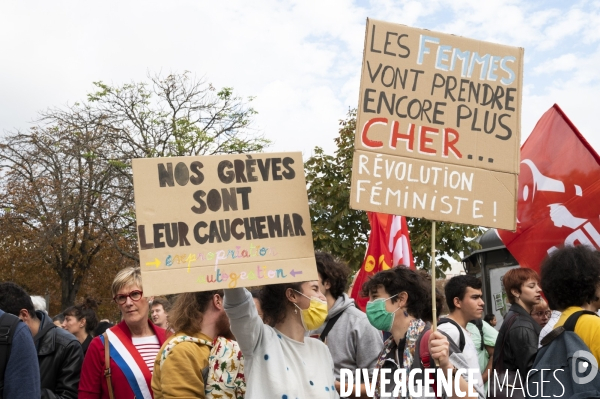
x,y
227,221
438,127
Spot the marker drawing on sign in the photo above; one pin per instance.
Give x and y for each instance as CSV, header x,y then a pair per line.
x,y
156,263
295,273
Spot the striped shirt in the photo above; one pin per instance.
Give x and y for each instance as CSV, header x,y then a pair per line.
x,y
148,347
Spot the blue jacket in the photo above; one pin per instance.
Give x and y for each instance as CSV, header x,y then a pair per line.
x,y
22,375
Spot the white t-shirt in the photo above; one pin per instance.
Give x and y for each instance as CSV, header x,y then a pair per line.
x,y
469,351
277,366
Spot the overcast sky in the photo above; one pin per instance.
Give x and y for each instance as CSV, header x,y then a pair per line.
x,y
300,59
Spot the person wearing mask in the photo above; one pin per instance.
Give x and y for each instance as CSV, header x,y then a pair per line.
x,y
351,339
517,342
133,345
81,320
59,353
198,319
571,282
400,303
280,360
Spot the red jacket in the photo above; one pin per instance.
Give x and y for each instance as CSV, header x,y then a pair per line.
x,y
92,384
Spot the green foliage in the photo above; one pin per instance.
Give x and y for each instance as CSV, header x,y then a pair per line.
x,y
344,232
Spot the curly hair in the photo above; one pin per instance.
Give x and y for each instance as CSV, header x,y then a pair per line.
x,y
402,279
514,280
274,302
87,311
188,310
570,276
334,272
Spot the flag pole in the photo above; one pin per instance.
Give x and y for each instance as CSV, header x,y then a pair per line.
x,y
433,307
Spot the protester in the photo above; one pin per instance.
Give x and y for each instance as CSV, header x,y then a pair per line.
x,y
464,300
541,313
58,320
59,353
490,318
554,316
280,362
81,320
351,339
134,343
160,312
197,318
571,282
21,369
517,342
484,338
400,303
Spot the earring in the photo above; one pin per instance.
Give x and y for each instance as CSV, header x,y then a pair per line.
x,y
296,311
405,313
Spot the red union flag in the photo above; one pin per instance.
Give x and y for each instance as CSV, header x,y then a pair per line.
x,y
389,246
559,192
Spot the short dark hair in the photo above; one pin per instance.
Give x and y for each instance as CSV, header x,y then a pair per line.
x,y
87,311
514,280
164,302
402,279
334,272
457,286
13,298
489,317
570,276
274,303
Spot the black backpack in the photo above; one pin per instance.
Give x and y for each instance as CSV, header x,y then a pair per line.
x,y
479,324
8,325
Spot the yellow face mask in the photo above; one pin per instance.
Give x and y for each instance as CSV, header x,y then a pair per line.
x,y
313,317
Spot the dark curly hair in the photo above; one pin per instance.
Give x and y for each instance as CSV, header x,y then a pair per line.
x,y
87,311
274,302
402,279
457,286
188,310
334,272
570,276
13,298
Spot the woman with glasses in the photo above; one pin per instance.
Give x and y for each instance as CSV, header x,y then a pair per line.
x,y
541,313
133,346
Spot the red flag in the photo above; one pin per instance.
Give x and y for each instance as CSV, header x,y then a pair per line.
x,y
389,246
559,188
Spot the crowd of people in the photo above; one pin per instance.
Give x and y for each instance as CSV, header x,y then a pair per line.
x,y
294,340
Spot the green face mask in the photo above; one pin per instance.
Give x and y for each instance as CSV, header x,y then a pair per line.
x,y
378,315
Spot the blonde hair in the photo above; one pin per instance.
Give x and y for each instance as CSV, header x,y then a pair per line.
x,y
125,278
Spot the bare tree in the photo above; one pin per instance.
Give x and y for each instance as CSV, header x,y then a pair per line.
x,y
69,178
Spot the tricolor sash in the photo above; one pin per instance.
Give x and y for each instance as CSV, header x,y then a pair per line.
x,y
131,363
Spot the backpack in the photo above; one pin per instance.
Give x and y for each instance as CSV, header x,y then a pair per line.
x,y
8,325
224,375
566,353
479,324
422,360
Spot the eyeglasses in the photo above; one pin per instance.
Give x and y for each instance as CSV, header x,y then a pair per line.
x,y
134,295
546,313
